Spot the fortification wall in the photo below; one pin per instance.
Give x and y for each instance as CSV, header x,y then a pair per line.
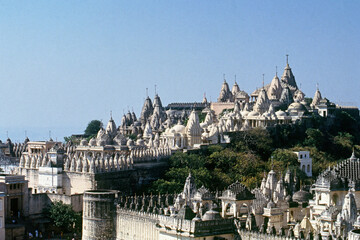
x,y
75,183
133,225
248,235
40,201
99,215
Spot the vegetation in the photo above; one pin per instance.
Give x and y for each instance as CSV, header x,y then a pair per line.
x,y
93,127
64,217
91,131
256,151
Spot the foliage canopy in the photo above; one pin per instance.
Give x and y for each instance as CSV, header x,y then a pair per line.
x,y
64,216
93,127
249,154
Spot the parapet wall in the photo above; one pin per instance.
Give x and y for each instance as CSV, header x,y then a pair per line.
x,y
244,234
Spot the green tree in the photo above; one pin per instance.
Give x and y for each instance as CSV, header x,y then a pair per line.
x,y
344,143
93,127
257,140
64,216
282,158
314,138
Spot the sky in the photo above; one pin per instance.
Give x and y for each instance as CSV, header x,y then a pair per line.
x,y
65,63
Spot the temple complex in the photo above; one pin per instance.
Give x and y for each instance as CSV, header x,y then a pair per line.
x,y
279,209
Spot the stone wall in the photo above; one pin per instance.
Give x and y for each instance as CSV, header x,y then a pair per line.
x,y
75,200
75,183
134,225
99,215
124,180
354,235
248,235
137,225
40,201
218,107
15,232
31,175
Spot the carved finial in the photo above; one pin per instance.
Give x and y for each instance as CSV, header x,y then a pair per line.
x,y
287,59
317,86
263,80
147,94
110,114
235,78
224,77
276,71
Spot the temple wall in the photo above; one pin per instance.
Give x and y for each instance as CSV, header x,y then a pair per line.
x,y
75,183
133,225
218,107
260,236
164,236
31,175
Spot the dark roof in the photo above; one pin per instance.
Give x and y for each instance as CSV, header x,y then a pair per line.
x,y
186,106
342,176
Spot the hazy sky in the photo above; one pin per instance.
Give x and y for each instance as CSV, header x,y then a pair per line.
x,y
64,63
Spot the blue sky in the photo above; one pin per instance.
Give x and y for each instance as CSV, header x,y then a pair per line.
x,y
64,63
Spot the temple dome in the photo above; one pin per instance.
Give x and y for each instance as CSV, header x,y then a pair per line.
x,y
280,113
297,106
178,128
211,215
92,142
83,142
301,196
253,114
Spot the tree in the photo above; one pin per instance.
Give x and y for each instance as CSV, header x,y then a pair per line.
x,y
93,127
314,138
257,140
344,143
64,216
282,158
